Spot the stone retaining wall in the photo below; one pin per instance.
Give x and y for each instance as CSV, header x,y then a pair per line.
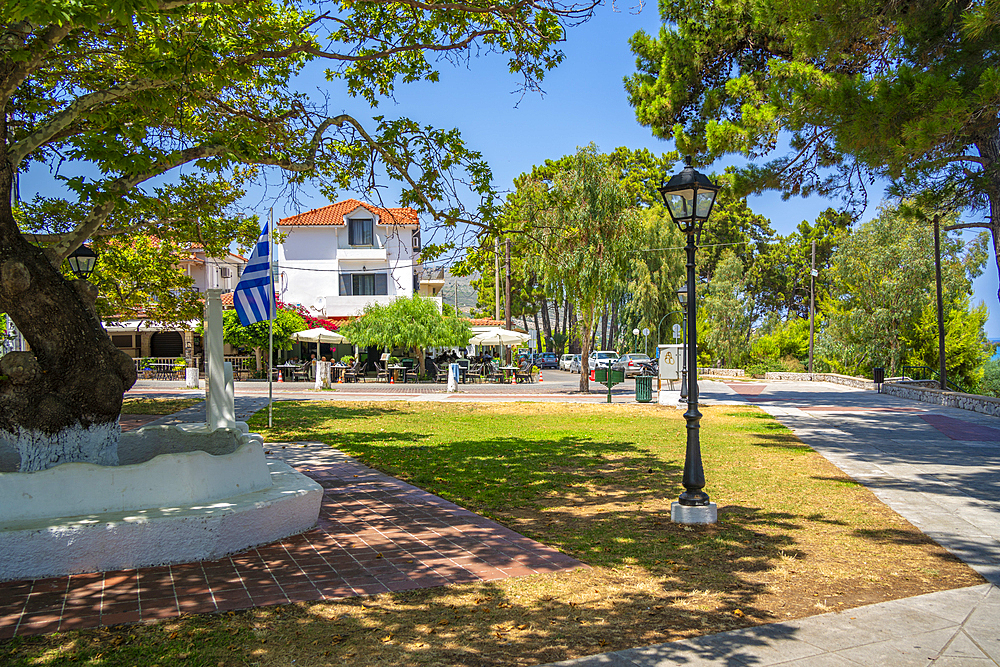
x,y
724,372
910,389
846,380
949,399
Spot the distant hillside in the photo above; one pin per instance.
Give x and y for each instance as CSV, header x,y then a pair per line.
x,y
467,296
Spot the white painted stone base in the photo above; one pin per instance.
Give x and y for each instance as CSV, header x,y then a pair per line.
x,y
668,397
149,537
191,378
688,514
97,444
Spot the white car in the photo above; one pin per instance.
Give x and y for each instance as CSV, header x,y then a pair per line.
x,y
602,359
565,360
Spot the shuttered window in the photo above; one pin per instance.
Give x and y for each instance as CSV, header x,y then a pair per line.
x,y
364,284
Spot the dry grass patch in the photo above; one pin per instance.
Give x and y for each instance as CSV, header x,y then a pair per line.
x,y
795,538
157,406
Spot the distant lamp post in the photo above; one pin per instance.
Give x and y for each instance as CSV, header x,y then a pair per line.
x,y
682,298
82,261
689,197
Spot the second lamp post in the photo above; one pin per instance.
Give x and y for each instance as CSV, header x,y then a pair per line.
x,y
689,197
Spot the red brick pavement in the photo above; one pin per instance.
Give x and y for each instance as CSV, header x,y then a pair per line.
x,y
375,534
958,429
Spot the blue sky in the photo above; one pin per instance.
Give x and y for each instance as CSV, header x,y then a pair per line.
x,y
584,102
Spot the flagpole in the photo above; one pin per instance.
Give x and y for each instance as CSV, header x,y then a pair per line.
x,y
270,334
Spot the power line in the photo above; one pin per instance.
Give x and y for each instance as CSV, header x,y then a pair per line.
x,y
713,245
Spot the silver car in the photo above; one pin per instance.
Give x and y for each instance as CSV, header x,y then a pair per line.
x,y
630,363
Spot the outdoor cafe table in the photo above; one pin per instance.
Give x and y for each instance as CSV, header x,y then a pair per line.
x,y
286,370
397,371
508,372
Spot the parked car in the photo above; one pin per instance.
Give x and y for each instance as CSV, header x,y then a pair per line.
x,y
631,363
602,359
575,363
565,360
547,360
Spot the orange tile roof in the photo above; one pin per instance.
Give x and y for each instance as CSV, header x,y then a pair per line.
x,y
334,215
486,322
227,299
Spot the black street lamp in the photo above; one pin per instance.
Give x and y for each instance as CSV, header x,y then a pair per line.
x,y
689,197
82,261
682,298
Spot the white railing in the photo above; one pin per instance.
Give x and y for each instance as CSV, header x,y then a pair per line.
x,y
167,368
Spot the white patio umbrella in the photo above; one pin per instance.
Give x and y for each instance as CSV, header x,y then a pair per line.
x,y
498,336
318,335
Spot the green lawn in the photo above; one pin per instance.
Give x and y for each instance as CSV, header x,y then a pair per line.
x,y
795,537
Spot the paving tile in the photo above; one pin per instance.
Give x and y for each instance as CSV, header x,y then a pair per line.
x,y
901,652
378,534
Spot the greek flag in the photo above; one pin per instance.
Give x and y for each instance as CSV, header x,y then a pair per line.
x,y
253,297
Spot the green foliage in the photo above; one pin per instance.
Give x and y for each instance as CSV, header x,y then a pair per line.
x,y
965,346
286,323
137,92
989,384
883,281
727,308
583,218
413,323
860,90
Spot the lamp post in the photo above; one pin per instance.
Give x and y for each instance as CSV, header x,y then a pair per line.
x,y
82,262
682,298
689,197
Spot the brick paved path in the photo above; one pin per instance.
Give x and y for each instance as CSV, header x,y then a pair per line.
x,y
375,534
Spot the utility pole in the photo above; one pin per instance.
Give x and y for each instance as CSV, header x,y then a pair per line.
x,y
942,369
506,302
496,281
457,311
812,305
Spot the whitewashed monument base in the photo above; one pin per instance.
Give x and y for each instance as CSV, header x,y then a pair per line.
x,y
161,536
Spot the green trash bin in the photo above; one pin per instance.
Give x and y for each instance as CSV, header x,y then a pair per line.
x,y
601,375
643,388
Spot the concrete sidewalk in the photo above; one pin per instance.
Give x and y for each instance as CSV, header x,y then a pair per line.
x,y
937,467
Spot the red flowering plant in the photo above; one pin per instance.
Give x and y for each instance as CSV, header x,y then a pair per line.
x,y
312,321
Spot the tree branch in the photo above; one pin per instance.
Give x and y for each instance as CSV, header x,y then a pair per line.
x,y
969,225
44,43
64,118
119,186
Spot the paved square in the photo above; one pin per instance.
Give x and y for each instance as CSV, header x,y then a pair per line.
x,y
375,534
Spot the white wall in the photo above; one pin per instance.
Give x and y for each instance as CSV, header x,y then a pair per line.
x,y
311,258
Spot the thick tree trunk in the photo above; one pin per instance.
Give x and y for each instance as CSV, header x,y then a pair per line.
x,y
613,327
545,318
586,335
61,401
555,316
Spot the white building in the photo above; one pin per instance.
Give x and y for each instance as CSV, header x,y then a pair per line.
x,y
337,259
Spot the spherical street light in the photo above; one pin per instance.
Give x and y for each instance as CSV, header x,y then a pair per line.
x,y
689,197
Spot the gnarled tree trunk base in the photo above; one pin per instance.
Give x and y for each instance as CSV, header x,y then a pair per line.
x,y
96,444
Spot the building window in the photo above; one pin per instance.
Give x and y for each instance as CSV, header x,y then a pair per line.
x,y
360,232
364,284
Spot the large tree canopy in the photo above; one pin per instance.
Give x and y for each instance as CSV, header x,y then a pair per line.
x,y
860,90
136,91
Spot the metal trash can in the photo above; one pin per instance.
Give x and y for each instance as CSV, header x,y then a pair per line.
x,y
643,388
878,376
